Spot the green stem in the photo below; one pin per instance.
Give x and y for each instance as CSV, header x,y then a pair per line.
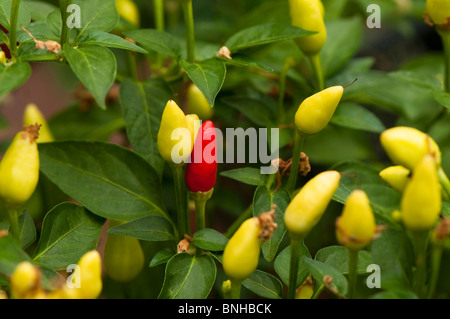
x,y
298,145
352,272
63,4
293,266
188,14
436,256
316,65
445,36
318,292
420,240
236,287
246,214
289,62
158,7
445,182
13,27
14,228
200,206
181,199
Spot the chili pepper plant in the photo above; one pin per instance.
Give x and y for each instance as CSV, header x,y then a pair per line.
x,y
226,149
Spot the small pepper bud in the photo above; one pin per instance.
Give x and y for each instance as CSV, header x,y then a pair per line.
x,y
123,257
407,146
241,254
32,116
25,281
421,201
308,206
19,168
396,176
176,134
356,227
315,112
90,273
308,15
201,171
198,104
438,11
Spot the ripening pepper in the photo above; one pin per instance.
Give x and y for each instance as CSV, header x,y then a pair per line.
x,y
315,112
421,201
2,57
308,206
176,134
123,258
396,176
407,146
19,168
201,171
25,281
90,274
32,116
198,104
241,254
356,226
308,15
438,11
128,10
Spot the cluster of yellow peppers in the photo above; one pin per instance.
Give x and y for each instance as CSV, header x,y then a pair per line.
x,y
26,281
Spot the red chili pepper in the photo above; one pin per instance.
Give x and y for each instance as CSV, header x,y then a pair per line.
x,y
201,171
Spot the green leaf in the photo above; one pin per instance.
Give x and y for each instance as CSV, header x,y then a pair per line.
x,y
264,285
247,175
208,75
24,17
357,117
255,110
320,271
149,228
395,294
262,202
39,9
40,31
264,34
142,107
392,251
109,40
158,41
10,255
27,229
68,232
188,277
282,265
443,98
97,15
109,180
337,257
96,67
162,257
27,53
13,76
244,61
93,124
210,239
446,209
344,37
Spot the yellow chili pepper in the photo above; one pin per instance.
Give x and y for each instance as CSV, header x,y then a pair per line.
x,y
123,258
25,281
315,112
2,57
308,206
421,201
19,168
407,146
241,255
306,290
198,104
356,227
438,11
308,15
396,176
32,116
171,138
90,274
129,11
